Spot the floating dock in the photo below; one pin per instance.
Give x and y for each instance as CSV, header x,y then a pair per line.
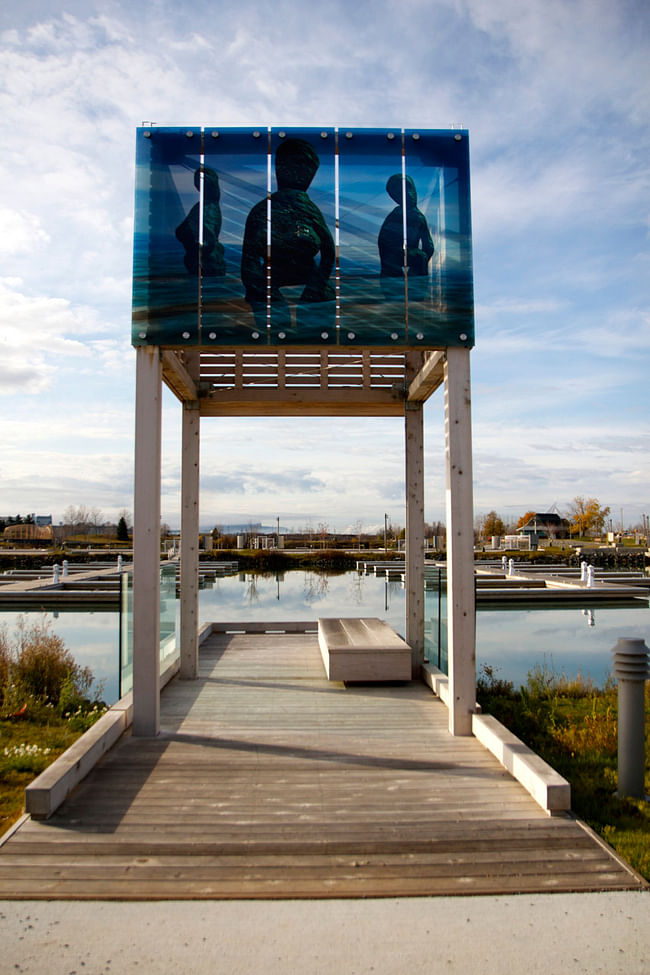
x,y
539,584
96,585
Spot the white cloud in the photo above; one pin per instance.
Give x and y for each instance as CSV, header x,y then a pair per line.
x,y
555,97
35,333
20,232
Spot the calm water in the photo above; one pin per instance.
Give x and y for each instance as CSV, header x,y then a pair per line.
x,y
93,638
511,641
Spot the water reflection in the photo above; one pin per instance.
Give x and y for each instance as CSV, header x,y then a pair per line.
x,y
513,641
93,638
510,640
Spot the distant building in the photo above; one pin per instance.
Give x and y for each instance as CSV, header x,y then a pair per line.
x,y
545,525
28,533
42,520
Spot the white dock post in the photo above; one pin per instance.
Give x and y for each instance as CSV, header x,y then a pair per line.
x,y
414,556
461,625
190,542
146,543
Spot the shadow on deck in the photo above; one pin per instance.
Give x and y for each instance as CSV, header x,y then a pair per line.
x,y
267,781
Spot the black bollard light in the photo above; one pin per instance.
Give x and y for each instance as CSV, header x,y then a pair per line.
x,y
631,672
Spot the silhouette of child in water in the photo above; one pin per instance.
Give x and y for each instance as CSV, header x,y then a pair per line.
x,y
212,257
298,234
419,245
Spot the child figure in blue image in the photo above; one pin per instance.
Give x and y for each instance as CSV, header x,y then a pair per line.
x,y
302,248
419,245
211,257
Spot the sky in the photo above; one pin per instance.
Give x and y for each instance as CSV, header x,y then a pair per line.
x,y
555,95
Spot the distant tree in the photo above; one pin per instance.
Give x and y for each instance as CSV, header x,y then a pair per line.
x,y
77,518
492,525
323,531
95,518
524,518
587,516
122,530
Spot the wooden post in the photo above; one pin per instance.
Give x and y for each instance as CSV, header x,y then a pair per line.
x,y
190,542
414,556
461,622
146,543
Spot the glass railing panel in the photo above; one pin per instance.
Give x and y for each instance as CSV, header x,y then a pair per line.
x,y
167,612
126,632
435,616
168,647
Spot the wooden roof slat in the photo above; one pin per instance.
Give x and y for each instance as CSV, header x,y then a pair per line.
x,y
291,381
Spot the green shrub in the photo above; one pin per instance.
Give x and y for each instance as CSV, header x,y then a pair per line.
x,y
38,672
573,726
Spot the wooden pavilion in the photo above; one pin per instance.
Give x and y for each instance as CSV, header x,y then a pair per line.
x,y
299,383
384,318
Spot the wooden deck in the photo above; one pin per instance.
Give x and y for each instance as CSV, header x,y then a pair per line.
x,y
268,781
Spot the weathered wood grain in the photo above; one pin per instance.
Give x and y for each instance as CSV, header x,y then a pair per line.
x,y
267,781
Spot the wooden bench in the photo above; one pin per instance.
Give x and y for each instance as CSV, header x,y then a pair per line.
x,y
363,650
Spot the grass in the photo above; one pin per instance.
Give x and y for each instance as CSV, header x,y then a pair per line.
x,y
573,726
45,705
26,749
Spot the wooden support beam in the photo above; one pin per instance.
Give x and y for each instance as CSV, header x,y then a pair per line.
x,y
414,444
303,401
461,622
428,379
146,543
189,643
177,377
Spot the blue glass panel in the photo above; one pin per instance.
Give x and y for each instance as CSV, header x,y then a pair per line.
x,y
236,164
302,295
372,288
439,253
236,238
165,292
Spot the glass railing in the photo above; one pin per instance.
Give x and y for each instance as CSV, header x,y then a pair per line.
x,y
167,623
435,616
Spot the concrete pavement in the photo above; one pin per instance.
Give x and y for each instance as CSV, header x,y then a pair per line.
x,y
501,935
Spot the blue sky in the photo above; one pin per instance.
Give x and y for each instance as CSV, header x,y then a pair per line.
x,y
556,99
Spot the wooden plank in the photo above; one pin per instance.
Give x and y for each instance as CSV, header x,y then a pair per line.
x,y
428,379
177,377
302,401
265,785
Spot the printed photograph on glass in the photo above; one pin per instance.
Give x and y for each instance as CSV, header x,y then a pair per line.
x,y
302,237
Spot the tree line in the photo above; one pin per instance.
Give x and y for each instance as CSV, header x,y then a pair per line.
x,y
584,518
